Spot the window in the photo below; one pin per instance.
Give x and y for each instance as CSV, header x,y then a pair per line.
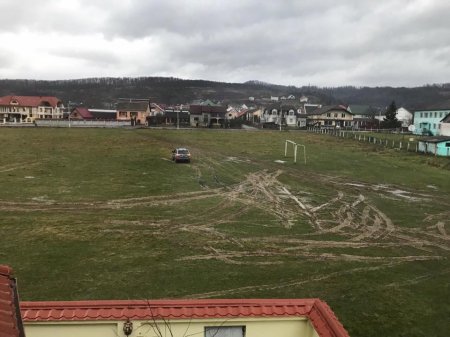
x,y
343,115
328,115
426,114
274,111
421,115
434,126
225,331
335,115
447,144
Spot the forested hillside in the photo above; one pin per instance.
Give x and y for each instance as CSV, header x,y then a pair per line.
x,y
103,92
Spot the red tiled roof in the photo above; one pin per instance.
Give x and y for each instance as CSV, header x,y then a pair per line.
x,y
32,101
241,113
10,320
84,112
324,321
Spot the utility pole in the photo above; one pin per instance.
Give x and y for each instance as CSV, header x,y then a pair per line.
x,y
68,110
178,116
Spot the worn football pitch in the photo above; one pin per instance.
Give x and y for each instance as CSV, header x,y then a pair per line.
x,y
105,214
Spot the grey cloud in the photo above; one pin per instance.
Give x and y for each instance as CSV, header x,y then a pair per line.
x,y
91,56
321,42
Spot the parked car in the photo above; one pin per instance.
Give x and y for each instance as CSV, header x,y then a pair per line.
x,y
181,154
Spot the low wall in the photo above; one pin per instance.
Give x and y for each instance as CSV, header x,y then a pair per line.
x,y
65,123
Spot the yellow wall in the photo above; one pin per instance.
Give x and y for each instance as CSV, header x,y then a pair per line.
x,y
256,327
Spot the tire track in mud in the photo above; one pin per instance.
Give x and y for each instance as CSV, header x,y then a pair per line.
x,y
351,216
17,166
291,283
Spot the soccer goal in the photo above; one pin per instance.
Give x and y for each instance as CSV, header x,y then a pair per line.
x,y
295,148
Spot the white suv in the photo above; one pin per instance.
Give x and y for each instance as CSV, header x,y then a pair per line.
x,y
181,154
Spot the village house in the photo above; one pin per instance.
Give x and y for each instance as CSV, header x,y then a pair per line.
x,y
404,116
426,122
250,115
337,116
178,318
232,112
285,113
207,115
438,145
163,318
82,113
365,116
10,318
444,126
26,109
157,109
171,116
134,110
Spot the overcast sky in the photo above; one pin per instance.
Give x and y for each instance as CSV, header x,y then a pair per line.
x,y
292,42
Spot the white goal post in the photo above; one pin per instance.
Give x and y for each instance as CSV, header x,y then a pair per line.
x,y
295,147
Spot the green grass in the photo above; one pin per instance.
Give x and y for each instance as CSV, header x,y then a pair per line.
x,y
105,214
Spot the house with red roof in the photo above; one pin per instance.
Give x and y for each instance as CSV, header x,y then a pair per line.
x,y
181,318
164,318
83,113
25,109
10,318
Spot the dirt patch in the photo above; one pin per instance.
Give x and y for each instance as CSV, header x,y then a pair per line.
x,y
348,215
16,166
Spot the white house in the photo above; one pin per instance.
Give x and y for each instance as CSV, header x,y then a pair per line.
x,y
444,126
404,116
284,113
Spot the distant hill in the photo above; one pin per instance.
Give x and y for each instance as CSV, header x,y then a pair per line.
x,y
103,92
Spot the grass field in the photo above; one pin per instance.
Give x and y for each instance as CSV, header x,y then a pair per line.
x,y
104,214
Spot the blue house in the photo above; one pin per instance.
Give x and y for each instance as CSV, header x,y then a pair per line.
x,y
426,122
439,146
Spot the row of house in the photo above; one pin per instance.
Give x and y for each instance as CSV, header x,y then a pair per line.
x,y
206,114
286,111
298,114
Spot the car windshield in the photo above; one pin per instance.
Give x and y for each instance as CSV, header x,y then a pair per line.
x,y
183,151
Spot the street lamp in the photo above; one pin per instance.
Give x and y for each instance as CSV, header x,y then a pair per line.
x,y
68,111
